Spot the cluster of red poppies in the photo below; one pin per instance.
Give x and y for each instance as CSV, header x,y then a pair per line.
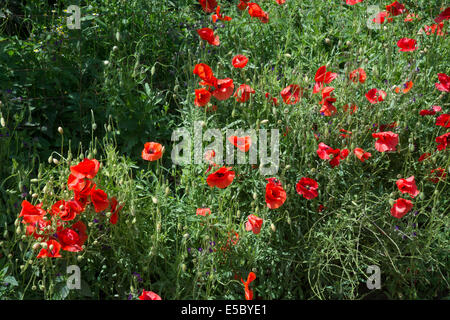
x,y
61,227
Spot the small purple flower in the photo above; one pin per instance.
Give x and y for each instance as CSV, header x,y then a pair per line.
x,y
414,234
413,225
95,220
210,250
200,249
404,237
130,296
416,213
397,228
189,250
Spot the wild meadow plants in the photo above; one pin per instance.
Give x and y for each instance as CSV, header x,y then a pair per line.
x,y
349,98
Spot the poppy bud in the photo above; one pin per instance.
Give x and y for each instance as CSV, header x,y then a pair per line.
x,y
158,225
411,147
238,213
16,223
79,258
50,159
391,202
90,156
118,36
348,43
2,122
134,220
34,195
264,121
109,128
183,267
94,151
288,220
106,62
272,226
422,195
286,110
186,235
167,191
94,126
233,113
287,55
115,48
33,287
154,200
255,196
327,41
152,71
55,161
18,230
36,246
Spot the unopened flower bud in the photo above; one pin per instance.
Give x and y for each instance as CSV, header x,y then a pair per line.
x,y
50,159
272,226
55,161
60,130
2,122
154,200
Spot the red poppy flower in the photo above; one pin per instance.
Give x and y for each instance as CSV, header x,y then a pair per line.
x,y
203,211
291,94
283,1
307,187
406,87
352,2
72,239
408,185
224,89
358,75
149,295
152,151
218,16
444,84
239,61
255,11
338,155
242,94
320,208
387,141
326,92
202,97
443,120
381,16
242,143
444,15
248,293
328,109
443,141
374,95
321,77
322,151
352,108
395,8
205,73
243,4
114,210
31,213
85,169
52,251
438,174
67,210
208,5
361,154
401,207
254,224
275,194
406,44
424,156
99,199
221,179
208,35
40,226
